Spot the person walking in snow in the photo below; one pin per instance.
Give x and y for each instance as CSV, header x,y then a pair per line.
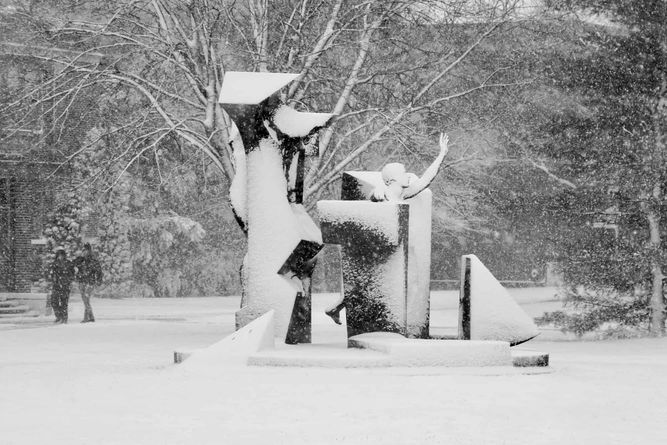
x,y
89,275
61,274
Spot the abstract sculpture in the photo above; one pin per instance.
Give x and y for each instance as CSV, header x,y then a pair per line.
x,y
385,248
383,225
269,146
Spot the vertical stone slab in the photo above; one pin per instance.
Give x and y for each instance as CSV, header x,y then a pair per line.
x,y
374,261
299,327
273,234
360,186
464,300
419,264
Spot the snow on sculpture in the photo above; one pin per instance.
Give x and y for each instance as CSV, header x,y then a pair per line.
x,y
270,142
400,185
367,259
374,259
234,348
487,311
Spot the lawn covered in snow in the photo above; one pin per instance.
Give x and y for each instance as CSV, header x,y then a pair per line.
x,y
113,382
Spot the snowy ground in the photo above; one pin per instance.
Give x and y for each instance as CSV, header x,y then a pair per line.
x,y
113,382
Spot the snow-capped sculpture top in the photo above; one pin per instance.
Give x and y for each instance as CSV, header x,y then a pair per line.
x,y
400,185
251,100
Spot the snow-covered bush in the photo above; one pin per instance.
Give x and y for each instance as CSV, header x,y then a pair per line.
x,y
600,309
63,227
165,247
215,273
115,250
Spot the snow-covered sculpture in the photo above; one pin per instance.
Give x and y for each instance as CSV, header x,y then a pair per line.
x,y
270,143
486,309
374,261
400,185
396,298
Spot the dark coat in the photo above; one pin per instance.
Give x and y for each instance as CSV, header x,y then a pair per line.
x,y
88,270
61,275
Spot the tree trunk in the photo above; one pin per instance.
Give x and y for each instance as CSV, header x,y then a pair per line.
x,y
657,303
653,210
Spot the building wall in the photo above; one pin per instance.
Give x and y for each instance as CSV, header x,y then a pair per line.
x,y
6,233
26,152
33,195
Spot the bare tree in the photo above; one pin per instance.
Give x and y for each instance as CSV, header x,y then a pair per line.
x,y
390,70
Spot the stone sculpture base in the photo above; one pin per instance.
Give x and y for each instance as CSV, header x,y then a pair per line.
x,y
254,345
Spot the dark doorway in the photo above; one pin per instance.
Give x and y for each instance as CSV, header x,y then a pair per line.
x,y
7,235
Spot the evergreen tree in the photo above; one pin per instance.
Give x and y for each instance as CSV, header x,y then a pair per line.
x,y
612,149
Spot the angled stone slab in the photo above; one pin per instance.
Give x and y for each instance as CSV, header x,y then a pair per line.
x,y
299,329
250,99
359,185
301,258
486,309
256,336
298,124
419,352
249,88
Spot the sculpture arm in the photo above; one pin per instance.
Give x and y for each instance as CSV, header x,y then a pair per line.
x,y
429,175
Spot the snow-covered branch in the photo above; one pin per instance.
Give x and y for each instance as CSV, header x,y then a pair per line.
x,y
542,167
